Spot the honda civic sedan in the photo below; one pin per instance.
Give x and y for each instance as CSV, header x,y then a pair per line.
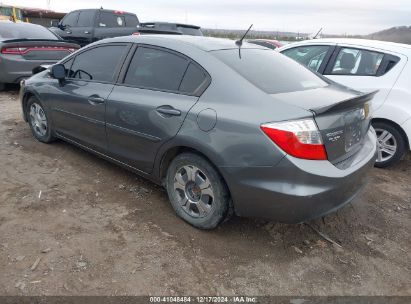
x,y
227,128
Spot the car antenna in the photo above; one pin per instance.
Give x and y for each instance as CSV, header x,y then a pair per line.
x,y
318,33
239,43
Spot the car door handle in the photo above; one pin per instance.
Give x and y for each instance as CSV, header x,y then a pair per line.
x,y
168,111
86,32
68,32
95,99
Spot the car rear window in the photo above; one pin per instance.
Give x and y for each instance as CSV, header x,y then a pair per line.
x,y
270,71
108,19
25,31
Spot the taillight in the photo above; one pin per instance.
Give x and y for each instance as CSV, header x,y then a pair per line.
x,y
25,50
136,33
299,138
13,50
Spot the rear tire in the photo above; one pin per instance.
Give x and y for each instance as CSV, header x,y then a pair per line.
x,y
391,144
197,192
39,121
2,86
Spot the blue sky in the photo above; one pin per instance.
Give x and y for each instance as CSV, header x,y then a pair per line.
x,y
335,16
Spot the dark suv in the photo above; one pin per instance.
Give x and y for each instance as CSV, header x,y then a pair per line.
x,y
89,25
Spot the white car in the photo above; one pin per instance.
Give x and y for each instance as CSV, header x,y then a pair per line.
x,y
368,65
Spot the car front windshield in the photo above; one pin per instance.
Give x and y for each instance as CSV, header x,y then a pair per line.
x,y
270,71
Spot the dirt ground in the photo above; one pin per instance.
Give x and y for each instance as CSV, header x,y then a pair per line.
x,y
74,224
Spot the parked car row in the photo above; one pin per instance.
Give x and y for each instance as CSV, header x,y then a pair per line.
x,y
89,25
201,117
227,127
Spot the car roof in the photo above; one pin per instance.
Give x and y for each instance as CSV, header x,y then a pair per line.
x,y
203,43
384,45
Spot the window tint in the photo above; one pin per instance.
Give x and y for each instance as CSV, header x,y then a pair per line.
x,y
25,31
70,19
131,20
86,18
192,80
270,71
98,64
108,19
310,56
156,69
357,62
67,67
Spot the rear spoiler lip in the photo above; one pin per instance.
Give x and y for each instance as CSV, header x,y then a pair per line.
x,y
342,105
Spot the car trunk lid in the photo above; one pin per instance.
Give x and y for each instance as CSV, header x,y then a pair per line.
x,y
342,117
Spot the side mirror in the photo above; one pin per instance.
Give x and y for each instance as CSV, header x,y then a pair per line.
x,y
58,72
54,23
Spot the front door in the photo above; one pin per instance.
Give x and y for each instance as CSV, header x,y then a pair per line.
x,y
79,104
150,105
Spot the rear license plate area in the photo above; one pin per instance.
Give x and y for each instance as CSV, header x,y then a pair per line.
x,y
353,129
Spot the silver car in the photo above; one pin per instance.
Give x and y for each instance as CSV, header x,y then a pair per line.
x,y
225,127
25,46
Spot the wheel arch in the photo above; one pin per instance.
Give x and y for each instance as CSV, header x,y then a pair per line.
x,y
170,153
397,126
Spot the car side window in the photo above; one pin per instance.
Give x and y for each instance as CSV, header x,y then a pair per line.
x,y
86,18
358,62
193,79
156,69
310,56
70,19
67,67
108,19
98,64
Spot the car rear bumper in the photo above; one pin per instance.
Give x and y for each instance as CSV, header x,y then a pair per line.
x,y
297,190
15,68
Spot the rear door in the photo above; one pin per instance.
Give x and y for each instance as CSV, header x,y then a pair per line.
x,y
82,32
366,70
149,105
315,57
78,106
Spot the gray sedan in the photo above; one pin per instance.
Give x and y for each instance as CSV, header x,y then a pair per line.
x,y
25,46
227,128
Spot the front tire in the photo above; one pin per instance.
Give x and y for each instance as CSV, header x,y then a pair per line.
x,y
197,192
391,144
2,86
39,121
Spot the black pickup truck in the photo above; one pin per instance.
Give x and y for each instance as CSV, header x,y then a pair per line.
x,y
89,25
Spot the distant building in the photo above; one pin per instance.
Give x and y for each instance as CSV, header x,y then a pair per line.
x,y
29,14
41,16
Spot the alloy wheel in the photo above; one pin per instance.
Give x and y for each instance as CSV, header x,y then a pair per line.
x,y
38,119
194,191
386,145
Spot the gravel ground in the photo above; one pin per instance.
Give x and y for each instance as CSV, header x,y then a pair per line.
x,y
74,224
